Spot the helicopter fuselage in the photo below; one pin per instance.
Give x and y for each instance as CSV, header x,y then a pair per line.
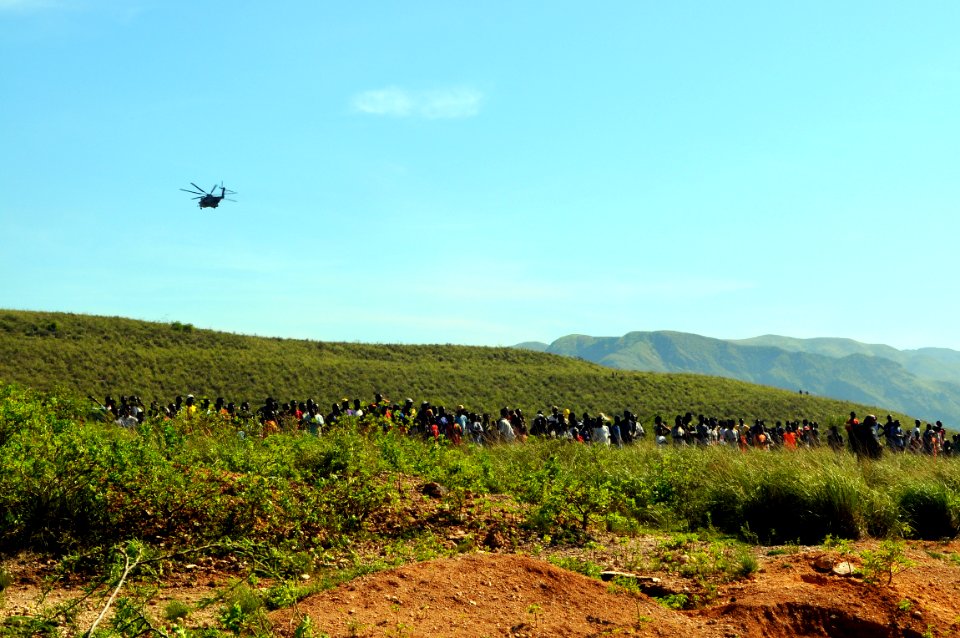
x,y
209,201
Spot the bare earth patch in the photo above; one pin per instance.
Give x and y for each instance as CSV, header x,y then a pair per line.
x,y
509,595
499,594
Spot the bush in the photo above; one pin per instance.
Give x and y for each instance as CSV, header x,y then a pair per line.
x,y
930,510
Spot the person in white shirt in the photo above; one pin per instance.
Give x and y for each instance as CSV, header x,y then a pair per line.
x,y
503,426
601,433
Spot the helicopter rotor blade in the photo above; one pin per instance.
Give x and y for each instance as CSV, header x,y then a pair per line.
x,y
192,192
198,188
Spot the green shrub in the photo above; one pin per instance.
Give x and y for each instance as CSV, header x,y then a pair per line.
x,y
930,510
175,610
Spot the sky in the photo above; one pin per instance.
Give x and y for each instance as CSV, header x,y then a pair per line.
x,y
486,173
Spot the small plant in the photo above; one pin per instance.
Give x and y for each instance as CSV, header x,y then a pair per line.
x,y
585,567
621,585
787,549
243,610
304,629
233,618
355,627
746,564
400,629
905,605
842,546
885,562
6,578
536,611
679,541
673,601
175,610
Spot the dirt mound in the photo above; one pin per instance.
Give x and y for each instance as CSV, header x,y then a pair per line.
x,y
485,595
794,596
794,592
510,595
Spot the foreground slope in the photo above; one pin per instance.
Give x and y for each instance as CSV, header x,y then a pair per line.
x,y
100,355
477,595
240,535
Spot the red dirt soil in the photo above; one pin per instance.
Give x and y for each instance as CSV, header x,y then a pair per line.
x,y
512,595
500,594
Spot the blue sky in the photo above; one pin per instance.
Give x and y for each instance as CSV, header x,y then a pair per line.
x,y
430,172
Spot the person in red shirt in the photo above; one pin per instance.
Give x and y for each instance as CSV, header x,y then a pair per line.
x,y
790,438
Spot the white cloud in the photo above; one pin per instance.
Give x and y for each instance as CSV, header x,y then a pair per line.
x,y
436,104
390,101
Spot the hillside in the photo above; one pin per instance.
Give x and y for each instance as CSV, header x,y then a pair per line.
x,y
100,355
941,364
838,368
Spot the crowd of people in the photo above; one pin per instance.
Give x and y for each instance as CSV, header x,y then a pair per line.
x,y
866,438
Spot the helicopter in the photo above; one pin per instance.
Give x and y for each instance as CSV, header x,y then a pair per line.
x,y
209,199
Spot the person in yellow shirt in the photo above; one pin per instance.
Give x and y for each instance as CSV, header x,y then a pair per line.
x,y
190,409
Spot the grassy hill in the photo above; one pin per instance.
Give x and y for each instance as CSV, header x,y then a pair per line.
x,y
101,355
839,368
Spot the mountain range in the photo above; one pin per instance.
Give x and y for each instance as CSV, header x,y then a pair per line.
x,y
924,382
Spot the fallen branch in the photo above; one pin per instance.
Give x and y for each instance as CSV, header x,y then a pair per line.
x,y
127,568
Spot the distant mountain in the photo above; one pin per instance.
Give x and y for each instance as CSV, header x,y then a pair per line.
x,y
536,346
925,382
941,364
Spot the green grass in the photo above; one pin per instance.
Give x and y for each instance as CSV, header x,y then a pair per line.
x,y
336,506
67,483
108,355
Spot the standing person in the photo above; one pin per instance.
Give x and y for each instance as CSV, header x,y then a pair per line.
x,y
854,440
728,436
865,435
895,437
835,439
476,429
315,421
601,433
678,433
616,438
539,427
190,410
941,435
504,428
628,428
659,427
790,438
930,441
334,415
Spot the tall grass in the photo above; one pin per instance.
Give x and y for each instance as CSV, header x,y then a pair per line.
x,y
67,483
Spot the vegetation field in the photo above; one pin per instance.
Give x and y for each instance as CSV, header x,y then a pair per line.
x,y
292,513
99,356
98,524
